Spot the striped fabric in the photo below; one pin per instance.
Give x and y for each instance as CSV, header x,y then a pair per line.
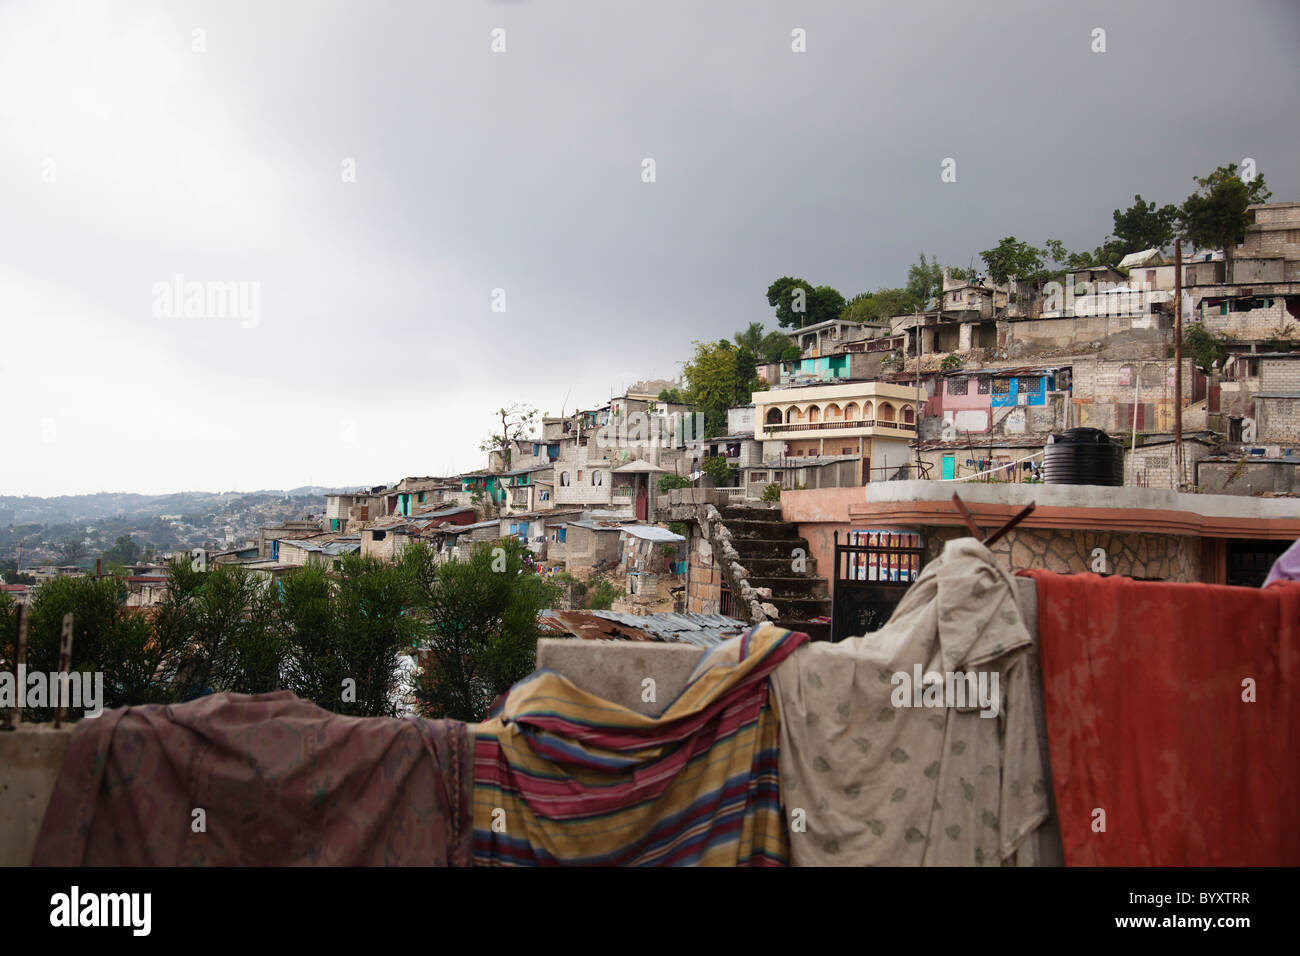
x,y
563,777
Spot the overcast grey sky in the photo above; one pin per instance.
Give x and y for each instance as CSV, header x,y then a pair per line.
x,y
129,157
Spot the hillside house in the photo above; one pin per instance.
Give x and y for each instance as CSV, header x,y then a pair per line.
x,y
872,421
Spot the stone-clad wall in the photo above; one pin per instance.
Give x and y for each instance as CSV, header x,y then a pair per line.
x,y
1161,557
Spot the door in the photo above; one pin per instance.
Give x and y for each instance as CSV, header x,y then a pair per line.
x,y
948,468
640,501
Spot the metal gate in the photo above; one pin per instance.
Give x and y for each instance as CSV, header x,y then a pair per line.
x,y
873,569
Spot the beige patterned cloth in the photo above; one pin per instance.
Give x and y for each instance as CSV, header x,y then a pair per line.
x,y
884,784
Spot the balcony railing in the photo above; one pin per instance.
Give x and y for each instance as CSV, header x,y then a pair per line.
x,y
850,423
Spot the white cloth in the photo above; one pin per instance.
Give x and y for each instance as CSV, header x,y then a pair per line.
x,y
884,784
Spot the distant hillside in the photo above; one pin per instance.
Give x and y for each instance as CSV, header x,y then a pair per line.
x,y
29,509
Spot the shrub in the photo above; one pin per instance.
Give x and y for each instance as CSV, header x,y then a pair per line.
x,y
668,482
717,468
772,492
950,362
479,624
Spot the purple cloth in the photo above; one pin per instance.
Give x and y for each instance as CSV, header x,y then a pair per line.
x,y
1286,567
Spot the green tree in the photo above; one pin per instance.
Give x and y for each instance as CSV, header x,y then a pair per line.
x,y
668,482
345,635
1214,217
778,347
924,282
715,383
798,303
751,338
1204,346
225,628
1011,257
603,595
70,551
517,421
1144,225
717,468
671,396
124,551
479,625
107,637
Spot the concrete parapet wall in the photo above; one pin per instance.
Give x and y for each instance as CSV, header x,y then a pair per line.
x,y
30,759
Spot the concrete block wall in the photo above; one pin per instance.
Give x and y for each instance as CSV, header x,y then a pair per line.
x,y
1154,467
704,590
1278,420
1249,478
1263,323
1279,375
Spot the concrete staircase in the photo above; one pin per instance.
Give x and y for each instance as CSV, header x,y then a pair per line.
x,y
766,546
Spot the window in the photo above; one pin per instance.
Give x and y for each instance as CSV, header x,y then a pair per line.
x,y
564,479
958,386
846,451
422,497
982,386
596,479
380,535
1002,386
1024,386
758,476
543,496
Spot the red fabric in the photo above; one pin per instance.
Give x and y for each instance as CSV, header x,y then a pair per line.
x,y
1142,688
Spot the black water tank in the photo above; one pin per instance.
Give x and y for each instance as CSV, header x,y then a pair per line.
x,y
1083,456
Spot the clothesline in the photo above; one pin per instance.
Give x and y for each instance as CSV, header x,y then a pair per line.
x,y
990,471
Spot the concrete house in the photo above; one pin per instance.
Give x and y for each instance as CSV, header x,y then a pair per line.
x,y
872,421
1277,403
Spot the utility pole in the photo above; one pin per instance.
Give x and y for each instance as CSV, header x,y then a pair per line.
x,y
1178,363
920,350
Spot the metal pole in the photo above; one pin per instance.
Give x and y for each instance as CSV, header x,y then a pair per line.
x,y
1178,363
916,420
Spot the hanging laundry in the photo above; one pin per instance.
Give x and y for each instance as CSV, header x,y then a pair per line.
x,y
278,780
1173,718
917,744
562,776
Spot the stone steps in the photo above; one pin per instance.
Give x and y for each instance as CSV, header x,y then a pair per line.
x,y
768,546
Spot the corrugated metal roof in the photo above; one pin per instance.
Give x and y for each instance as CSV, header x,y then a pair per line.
x,y
649,532
595,525
702,630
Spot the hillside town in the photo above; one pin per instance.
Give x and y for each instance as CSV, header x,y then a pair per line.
x,y
1005,368
518,435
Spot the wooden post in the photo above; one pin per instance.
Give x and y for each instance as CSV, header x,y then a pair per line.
x,y
65,662
15,715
